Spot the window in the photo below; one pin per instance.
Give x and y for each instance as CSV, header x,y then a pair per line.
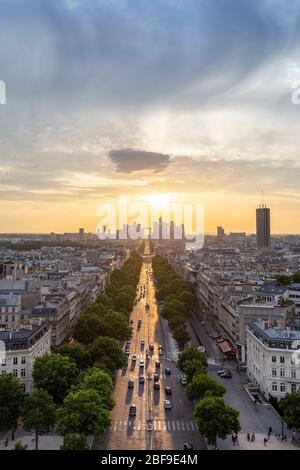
x,y
23,388
274,386
282,359
13,318
23,360
3,362
23,373
282,387
282,373
15,372
274,372
293,374
15,360
293,388
273,358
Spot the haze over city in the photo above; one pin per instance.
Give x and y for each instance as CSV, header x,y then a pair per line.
x,y
186,98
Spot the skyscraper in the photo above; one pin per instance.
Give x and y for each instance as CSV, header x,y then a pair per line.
x,y
263,227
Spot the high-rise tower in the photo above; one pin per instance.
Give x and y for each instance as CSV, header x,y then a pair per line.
x,y
263,227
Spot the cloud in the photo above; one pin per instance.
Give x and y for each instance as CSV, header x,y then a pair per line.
x,y
130,160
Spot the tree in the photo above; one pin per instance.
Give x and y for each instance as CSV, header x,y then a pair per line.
x,y
20,446
11,398
38,413
100,381
88,327
202,385
216,419
75,351
83,413
106,301
107,351
181,335
54,373
290,405
74,442
189,354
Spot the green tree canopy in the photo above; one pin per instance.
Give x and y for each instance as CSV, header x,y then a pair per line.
x,y
100,381
55,374
290,405
202,385
216,419
75,351
11,398
74,442
83,413
107,351
38,413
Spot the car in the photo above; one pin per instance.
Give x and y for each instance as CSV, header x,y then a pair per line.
x,y
167,371
183,380
168,405
134,358
160,352
157,364
142,364
156,386
131,383
151,347
168,390
142,343
221,371
139,322
226,375
128,343
156,377
127,352
141,379
160,347
132,410
188,446
131,322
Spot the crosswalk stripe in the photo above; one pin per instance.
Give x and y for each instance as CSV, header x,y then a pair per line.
x,y
178,425
173,425
192,426
183,427
169,425
158,425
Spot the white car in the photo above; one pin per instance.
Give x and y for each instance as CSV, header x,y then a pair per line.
x,y
183,380
168,405
134,358
142,364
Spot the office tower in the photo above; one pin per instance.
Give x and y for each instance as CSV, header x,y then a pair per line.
x,y
263,227
220,233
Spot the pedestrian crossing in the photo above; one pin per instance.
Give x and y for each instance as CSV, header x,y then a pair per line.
x,y
158,425
155,357
173,377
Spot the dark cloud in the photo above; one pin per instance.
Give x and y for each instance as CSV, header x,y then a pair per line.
x,y
129,160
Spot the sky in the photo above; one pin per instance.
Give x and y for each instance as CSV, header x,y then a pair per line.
x,y
108,98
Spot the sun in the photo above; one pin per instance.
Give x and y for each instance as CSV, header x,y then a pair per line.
x,y
158,200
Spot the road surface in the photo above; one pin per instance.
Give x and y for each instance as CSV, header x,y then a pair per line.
x,y
167,428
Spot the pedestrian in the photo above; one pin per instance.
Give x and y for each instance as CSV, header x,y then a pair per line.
x,y
285,438
294,436
270,430
6,442
233,439
253,437
248,436
265,441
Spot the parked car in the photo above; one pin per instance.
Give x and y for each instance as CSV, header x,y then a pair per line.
x,y
168,390
131,383
156,386
226,375
134,358
188,446
167,371
142,364
132,410
157,364
221,371
168,405
156,377
141,379
183,380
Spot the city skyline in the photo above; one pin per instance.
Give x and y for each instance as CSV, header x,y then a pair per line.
x,y
112,98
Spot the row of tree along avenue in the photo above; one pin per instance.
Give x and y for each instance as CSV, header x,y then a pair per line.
x,y
214,417
73,385
178,298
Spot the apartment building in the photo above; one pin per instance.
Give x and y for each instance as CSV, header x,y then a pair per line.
x,y
273,359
